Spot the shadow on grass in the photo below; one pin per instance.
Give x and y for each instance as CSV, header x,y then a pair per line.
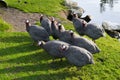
x,y
42,67
40,61
52,76
37,60
36,57
15,39
17,49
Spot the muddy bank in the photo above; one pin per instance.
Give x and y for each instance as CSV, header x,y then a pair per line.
x,y
16,18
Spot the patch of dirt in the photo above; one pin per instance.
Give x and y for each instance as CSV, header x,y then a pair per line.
x,y
17,18
63,14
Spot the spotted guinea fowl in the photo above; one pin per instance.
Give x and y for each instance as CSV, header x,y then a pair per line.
x,y
52,47
76,55
92,30
37,33
56,28
45,23
74,39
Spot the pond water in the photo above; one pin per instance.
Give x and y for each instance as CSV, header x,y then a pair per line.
x,y
101,10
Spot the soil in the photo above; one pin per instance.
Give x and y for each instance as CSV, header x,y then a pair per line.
x,y
17,18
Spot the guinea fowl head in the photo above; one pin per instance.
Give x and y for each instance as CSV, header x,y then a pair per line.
x,y
63,47
41,43
71,33
52,19
75,15
59,26
27,22
84,23
54,22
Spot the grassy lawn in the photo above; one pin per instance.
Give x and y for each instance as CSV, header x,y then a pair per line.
x,y
48,7
4,26
20,60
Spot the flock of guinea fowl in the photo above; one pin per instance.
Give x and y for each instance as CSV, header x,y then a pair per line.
x,y
67,44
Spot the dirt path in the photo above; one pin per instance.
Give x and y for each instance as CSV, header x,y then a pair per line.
x,y
16,18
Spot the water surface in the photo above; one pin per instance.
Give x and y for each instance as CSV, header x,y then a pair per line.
x,y
101,10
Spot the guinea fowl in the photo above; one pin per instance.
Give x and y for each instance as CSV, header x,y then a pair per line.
x,y
74,39
52,47
46,23
65,36
76,55
37,33
55,28
91,30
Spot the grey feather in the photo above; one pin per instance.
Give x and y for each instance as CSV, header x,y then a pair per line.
x,y
53,48
79,41
91,30
78,56
46,23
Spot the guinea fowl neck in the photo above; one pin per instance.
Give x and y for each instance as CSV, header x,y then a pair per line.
x,y
84,23
53,25
41,18
27,26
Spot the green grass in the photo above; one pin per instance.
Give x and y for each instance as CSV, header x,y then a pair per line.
x,y
48,7
19,60
4,26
